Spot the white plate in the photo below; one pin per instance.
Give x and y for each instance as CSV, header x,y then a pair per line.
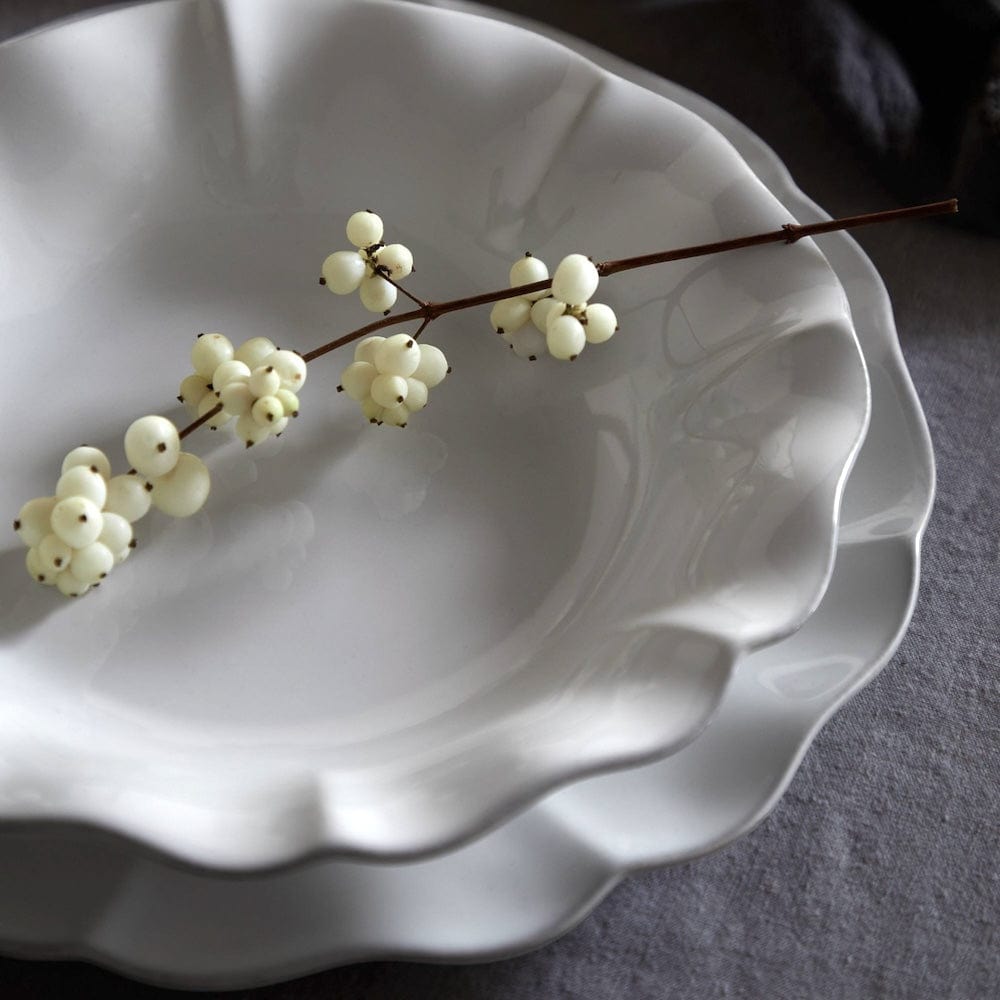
x,y
375,642
536,875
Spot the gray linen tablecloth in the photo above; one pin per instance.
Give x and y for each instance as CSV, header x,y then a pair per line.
x,y
876,876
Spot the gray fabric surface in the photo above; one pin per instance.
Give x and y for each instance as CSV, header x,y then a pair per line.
x,y
917,85
876,876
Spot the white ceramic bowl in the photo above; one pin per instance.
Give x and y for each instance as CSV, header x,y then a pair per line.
x,y
578,553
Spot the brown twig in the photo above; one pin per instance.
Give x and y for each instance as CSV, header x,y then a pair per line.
x,y
790,232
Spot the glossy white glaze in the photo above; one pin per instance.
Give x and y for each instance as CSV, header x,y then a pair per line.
x,y
535,875
581,551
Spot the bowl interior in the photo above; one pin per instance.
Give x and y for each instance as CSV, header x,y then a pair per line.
x,y
375,639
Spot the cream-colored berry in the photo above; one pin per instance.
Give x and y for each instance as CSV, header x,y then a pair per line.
x,y
54,554
266,411
116,532
237,398
365,351
89,456
193,389
253,351
357,379
92,563
32,522
389,390
152,445
565,338
128,495
416,395
397,355
77,521
184,490
601,323
217,420
208,352
83,481
291,369
227,371
433,366
364,229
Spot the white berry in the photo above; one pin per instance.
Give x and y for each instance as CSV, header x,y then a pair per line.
x,y
86,455
398,355
266,411
528,343
81,480
365,351
77,521
32,522
433,366
526,271
208,352
377,295
92,563
343,270
575,279
116,532
289,402
128,496
253,351
565,338
601,323
396,416
209,403
364,229
36,570
291,369
184,490
237,398
54,554
193,389
396,259
416,395
227,371
250,432
69,586
152,446
389,390
265,380
509,315
357,379
544,310
372,410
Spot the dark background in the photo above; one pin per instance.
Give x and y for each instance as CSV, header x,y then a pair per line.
x,y
829,897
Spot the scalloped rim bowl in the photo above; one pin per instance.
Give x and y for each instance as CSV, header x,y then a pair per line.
x,y
380,643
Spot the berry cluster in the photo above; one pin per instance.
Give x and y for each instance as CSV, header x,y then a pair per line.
x,y
256,383
563,322
78,536
390,377
367,267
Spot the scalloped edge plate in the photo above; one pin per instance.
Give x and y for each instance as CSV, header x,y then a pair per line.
x,y
709,534
529,881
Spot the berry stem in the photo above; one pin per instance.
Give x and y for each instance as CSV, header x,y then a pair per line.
x,y
203,419
399,287
790,232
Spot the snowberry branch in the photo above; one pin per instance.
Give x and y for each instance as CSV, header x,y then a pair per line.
x,y
427,311
77,536
788,233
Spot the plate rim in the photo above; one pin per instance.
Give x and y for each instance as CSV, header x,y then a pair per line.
x,y
916,426
329,841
